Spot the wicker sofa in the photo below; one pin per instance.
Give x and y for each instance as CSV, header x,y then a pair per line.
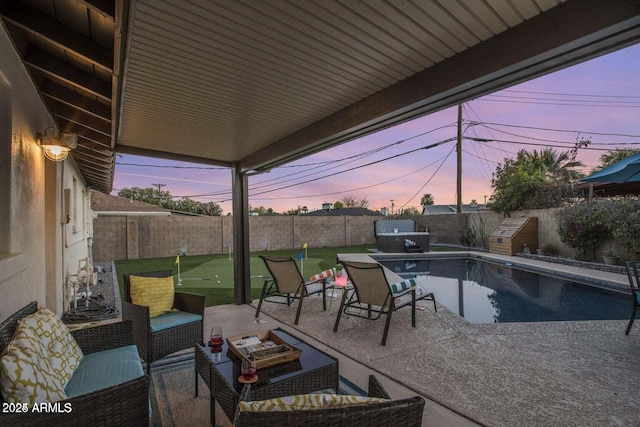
x,y
117,405
402,412
156,338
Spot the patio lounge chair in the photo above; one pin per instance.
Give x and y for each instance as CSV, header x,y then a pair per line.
x,y
167,333
633,271
375,296
402,412
287,283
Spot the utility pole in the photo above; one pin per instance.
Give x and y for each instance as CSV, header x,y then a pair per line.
x,y
391,207
459,152
159,187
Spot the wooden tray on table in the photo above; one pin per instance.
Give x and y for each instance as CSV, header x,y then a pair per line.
x,y
264,348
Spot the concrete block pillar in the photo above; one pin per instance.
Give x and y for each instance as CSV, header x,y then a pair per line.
x,y
132,238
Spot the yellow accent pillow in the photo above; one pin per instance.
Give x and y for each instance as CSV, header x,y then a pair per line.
x,y
155,292
306,402
39,360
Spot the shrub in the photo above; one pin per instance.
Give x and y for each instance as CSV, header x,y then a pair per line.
x,y
625,225
467,235
583,226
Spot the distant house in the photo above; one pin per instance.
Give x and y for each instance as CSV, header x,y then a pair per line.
x,y
106,205
451,209
344,212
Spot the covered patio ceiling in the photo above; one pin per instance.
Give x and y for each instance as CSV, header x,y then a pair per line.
x,y
253,84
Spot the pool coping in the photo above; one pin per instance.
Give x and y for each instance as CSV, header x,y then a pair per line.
x,y
607,280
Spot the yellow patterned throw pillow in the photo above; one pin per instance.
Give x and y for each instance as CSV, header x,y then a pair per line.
x,y
62,351
306,402
154,292
39,360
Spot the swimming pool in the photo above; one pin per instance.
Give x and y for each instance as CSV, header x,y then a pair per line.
x,y
486,292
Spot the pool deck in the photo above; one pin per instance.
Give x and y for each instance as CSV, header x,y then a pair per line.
x,y
520,374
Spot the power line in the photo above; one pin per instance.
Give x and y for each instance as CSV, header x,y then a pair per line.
x,y
430,178
561,104
338,163
362,166
604,103
540,145
556,130
570,94
352,189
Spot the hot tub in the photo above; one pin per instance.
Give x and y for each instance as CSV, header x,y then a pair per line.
x,y
401,242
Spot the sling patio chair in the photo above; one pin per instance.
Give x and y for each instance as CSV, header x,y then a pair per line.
x,y
374,296
287,284
164,321
633,271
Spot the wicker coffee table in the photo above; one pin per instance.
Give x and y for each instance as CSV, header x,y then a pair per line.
x,y
315,370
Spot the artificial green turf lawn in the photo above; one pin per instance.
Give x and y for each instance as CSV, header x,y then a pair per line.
x,y
212,275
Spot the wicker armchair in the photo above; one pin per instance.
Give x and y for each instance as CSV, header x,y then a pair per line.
x,y
156,345
403,412
120,405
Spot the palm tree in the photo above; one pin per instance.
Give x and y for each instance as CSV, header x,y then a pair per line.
x,y
557,167
427,199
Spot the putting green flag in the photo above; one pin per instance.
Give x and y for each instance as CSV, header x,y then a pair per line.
x,y
178,259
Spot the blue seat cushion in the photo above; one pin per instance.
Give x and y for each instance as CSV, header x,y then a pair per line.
x,y
104,369
173,319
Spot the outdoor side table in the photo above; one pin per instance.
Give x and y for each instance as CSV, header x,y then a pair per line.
x,y
313,371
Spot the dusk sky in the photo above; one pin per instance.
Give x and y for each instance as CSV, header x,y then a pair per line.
x,y
598,100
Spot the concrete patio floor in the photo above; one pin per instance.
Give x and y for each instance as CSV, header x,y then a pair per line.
x,y
540,374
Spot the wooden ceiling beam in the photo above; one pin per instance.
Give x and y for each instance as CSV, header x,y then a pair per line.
x,y
81,131
58,69
106,8
42,25
64,95
106,162
95,169
88,150
79,117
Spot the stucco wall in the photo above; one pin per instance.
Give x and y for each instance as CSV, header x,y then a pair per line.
x,y
22,266
33,257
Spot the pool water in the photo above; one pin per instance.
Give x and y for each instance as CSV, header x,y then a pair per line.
x,y
484,292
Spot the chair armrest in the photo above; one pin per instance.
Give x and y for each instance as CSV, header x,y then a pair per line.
x,y
124,404
139,315
403,293
104,337
191,303
376,389
245,394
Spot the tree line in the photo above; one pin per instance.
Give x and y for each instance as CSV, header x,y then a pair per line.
x,y
530,180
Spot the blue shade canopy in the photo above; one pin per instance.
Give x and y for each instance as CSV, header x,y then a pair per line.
x,y
626,170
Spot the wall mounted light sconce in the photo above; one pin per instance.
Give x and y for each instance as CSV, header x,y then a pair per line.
x,y
56,147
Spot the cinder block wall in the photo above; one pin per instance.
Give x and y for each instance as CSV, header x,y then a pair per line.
x,y
139,237
151,237
109,238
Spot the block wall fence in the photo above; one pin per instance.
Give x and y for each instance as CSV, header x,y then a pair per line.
x,y
139,237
